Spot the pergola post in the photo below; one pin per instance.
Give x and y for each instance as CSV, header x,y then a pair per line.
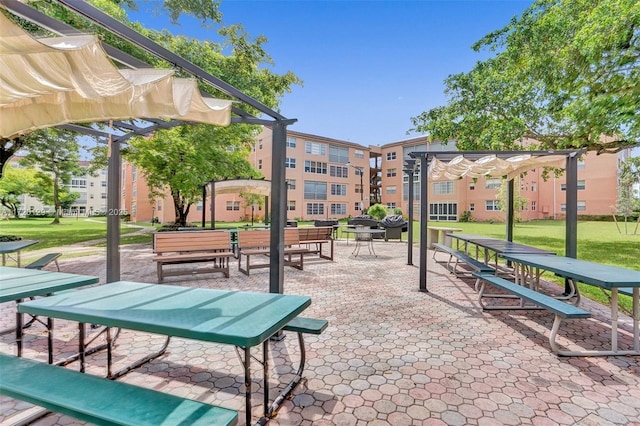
x,y
510,211
278,206
113,208
409,170
213,205
571,220
424,217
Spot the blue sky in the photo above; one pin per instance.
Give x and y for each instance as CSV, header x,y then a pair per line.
x,y
367,66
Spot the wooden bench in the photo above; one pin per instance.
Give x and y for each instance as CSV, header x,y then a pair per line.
x,y
101,401
561,310
191,247
44,261
474,264
318,237
258,242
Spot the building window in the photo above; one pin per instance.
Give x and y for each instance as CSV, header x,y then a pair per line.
x,y
391,205
134,209
290,163
492,205
315,209
338,209
534,206
291,205
358,153
582,206
391,189
91,184
199,206
103,183
442,188
134,173
78,183
103,195
534,186
317,167
159,205
315,148
493,183
358,189
259,164
472,207
581,185
391,156
580,164
338,154
339,171
91,196
443,211
359,206
291,142
391,172
232,206
315,190
472,186
291,183
338,189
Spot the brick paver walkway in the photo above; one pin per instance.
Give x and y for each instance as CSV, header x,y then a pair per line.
x,y
391,355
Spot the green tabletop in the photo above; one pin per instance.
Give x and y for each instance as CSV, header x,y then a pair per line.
x,y
18,283
13,246
605,276
238,318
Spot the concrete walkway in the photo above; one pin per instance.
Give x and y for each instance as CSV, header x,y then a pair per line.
x,y
391,355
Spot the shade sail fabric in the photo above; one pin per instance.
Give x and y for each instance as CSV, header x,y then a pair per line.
x,y
240,186
52,81
491,166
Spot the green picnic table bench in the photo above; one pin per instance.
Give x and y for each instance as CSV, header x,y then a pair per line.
x,y
474,264
101,401
560,309
44,261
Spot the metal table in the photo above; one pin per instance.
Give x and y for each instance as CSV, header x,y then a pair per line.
x,y
596,274
14,247
242,319
19,284
364,235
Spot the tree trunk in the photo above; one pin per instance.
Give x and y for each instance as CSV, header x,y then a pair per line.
x,y
56,200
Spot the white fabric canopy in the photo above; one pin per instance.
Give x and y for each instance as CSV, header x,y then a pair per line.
x,y
491,165
239,186
52,81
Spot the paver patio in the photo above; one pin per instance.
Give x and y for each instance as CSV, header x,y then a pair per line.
x,y
391,354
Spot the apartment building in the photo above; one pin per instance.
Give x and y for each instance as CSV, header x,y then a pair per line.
x,y
332,179
91,188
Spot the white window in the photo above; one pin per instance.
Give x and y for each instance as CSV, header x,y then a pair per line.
x,y
391,205
291,183
315,190
103,195
534,206
338,189
359,206
291,205
442,188
492,205
315,148
232,206
338,209
103,183
317,167
259,164
338,154
290,163
391,189
291,142
391,156
391,172
443,211
534,186
581,185
315,208
472,186
78,183
493,183
358,153
581,205
339,171
472,207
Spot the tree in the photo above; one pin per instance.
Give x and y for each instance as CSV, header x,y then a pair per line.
x,y
519,202
628,202
55,153
16,182
184,158
564,74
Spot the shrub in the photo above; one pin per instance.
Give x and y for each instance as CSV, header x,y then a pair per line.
x,y
377,211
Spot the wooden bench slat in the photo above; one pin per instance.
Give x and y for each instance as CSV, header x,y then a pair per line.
x,y
101,401
257,242
191,247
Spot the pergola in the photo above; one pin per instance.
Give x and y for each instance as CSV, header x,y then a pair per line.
x,y
142,110
235,186
452,165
